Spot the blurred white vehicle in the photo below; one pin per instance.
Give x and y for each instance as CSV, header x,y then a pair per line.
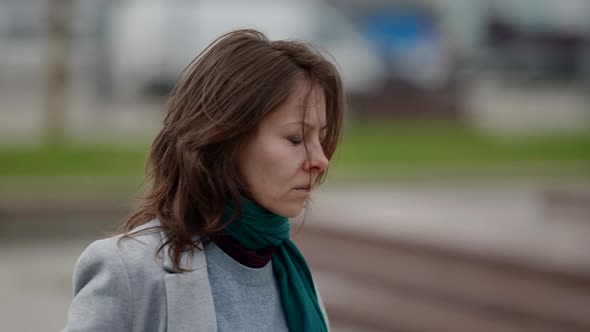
x,y
152,41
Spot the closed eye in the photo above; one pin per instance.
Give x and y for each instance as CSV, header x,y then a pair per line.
x,y
295,140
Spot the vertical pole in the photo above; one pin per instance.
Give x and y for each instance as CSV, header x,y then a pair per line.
x,y
57,75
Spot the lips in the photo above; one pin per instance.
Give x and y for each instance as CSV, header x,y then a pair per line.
x,y
302,188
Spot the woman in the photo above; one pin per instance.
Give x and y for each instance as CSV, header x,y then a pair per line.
x,y
251,126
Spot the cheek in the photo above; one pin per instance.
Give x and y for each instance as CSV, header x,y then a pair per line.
x,y
284,160
271,168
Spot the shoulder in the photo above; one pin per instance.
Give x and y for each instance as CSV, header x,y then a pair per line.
x,y
120,255
110,277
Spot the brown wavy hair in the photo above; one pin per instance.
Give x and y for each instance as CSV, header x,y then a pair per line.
x,y
217,103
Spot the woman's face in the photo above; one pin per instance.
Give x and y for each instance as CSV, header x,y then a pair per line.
x,y
274,163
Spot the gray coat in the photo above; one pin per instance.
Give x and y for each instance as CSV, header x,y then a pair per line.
x,y
121,286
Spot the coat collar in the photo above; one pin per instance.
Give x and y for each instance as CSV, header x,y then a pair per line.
x,y
190,260
189,299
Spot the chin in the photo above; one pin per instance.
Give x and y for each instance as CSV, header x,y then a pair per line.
x,y
288,211
292,215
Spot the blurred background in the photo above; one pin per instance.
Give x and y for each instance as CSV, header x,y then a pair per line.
x,y
458,201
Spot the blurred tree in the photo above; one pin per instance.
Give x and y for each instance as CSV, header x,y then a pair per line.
x,y
57,79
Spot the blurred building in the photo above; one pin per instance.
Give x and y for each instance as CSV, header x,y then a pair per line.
x,y
152,41
449,59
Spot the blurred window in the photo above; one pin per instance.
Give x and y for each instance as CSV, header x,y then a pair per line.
x,y
23,19
331,28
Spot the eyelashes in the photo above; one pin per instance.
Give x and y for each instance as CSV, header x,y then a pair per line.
x,y
296,140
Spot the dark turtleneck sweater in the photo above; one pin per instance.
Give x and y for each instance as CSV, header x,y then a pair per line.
x,y
250,258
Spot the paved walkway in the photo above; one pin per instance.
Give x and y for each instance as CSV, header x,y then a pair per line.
x,y
506,220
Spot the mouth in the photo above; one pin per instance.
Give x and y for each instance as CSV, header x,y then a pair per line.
x,y
305,189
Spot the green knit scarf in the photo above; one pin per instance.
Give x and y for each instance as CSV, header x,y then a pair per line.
x,y
257,228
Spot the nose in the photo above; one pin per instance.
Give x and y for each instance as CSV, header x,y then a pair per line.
x,y
317,160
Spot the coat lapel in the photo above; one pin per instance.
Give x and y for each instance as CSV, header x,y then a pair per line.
x,y
189,299
189,307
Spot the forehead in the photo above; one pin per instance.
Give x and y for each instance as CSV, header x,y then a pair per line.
x,y
296,106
